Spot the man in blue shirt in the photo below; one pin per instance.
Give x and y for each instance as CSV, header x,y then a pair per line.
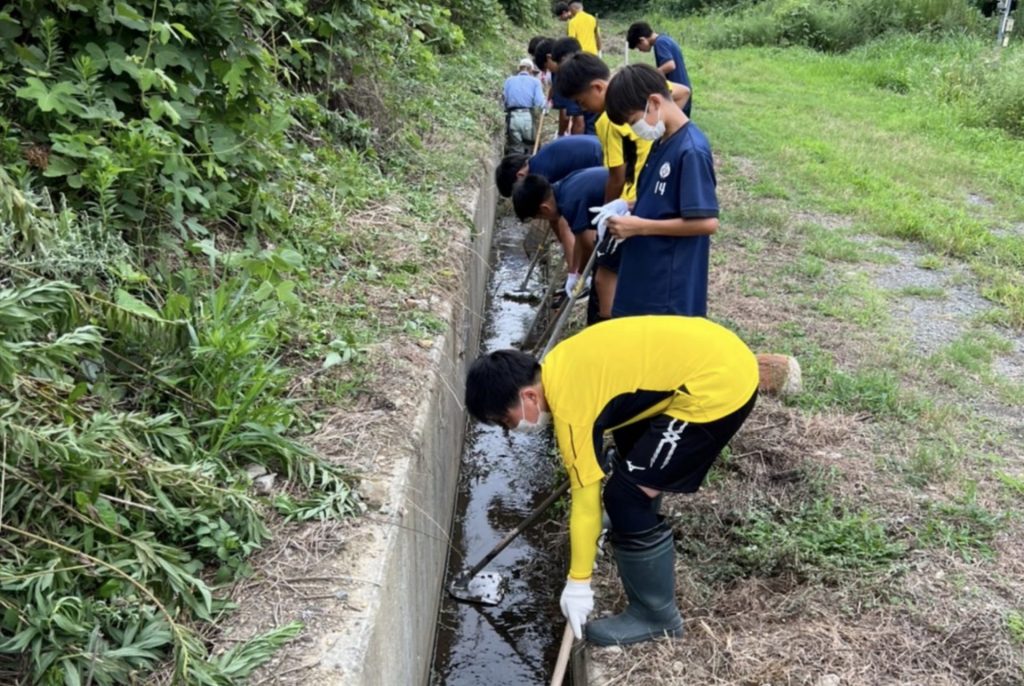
x,y
554,161
521,93
663,266
667,55
564,205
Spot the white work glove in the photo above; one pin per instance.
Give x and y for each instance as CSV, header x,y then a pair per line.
x,y
577,602
570,282
616,208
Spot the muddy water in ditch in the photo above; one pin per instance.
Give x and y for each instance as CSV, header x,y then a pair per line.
x,y
502,479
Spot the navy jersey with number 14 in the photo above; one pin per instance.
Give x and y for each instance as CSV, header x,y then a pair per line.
x,y
663,274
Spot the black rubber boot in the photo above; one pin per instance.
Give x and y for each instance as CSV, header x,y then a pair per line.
x,y
648,576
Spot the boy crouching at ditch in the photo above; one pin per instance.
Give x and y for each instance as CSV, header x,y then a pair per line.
x,y
554,161
672,391
566,206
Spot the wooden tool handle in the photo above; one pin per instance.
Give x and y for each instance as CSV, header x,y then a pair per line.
x,y
540,129
563,657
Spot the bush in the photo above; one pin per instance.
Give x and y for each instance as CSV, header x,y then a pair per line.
x,y
673,7
529,12
1000,93
834,26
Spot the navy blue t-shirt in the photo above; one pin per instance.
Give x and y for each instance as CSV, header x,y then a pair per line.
x,y
666,49
590,123
663,274
578,192
562,156
560,103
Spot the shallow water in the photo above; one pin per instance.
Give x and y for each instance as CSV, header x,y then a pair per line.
x,y
501,480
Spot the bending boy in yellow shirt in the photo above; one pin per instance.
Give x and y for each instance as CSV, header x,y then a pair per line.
x,y
672,391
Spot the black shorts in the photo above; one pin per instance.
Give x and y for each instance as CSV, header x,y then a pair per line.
x,y
668,454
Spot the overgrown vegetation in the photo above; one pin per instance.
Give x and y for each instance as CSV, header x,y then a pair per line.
x,y
837,26
175,183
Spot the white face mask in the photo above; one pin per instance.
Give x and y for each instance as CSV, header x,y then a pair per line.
x,y
525,426
644,130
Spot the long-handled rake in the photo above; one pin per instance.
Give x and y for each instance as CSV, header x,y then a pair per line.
x,y
488,587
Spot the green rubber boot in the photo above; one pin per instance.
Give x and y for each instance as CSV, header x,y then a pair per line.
x,y
648,576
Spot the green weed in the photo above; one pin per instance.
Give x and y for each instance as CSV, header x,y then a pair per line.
x,y
974,352
924,292
1015,626
828,245
930,262
808,267
877,392
855,300
821,538
964,527
1013,484
933,460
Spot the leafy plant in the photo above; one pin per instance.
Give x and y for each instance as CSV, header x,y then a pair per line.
x,y
964,527
115,501
821,537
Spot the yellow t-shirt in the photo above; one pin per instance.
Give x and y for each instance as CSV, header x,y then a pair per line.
x,y
642,364
621,146
583,27
625,370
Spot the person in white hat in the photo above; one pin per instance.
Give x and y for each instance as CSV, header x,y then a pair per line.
x,y
521,93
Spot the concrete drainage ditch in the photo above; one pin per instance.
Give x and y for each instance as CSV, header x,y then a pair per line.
x,y
503,478
384,634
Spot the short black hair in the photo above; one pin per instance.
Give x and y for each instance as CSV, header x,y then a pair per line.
x,y
531,47
528,194
494,381
559,8
578,71
505,174
629,89
564,47
636,31
541,52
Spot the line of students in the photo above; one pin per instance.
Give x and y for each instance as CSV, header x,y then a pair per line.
x,y
671,390
653,208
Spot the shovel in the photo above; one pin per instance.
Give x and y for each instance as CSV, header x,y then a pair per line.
x,y
488,587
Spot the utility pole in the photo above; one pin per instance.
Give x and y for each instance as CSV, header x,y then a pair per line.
x,y
1005,24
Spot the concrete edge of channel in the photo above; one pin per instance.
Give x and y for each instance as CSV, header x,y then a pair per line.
x,y
388,637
